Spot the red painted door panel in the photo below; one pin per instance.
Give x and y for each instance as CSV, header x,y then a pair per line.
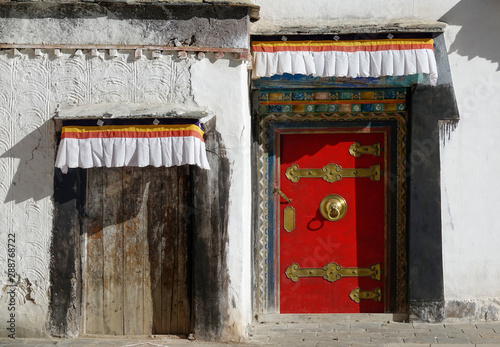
x,y
358,240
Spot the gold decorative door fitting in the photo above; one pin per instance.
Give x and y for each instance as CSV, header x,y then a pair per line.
x,y
333,207
332,173
357,295
289,219
356,150
333,272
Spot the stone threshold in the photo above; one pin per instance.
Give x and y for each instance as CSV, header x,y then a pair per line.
x,y
327,317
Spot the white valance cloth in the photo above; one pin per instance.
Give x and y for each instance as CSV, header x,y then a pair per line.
x,y
358,58
117,143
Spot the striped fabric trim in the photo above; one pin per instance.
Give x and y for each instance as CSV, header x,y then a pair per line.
x,y
133,143
341,46
132,131
357,58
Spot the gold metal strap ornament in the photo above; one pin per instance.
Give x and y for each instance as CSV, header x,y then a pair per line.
x,y
356,150
333,272
357,295
332,173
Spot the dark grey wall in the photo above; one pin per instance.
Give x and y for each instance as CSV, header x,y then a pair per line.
x,y
202,25
210,240
429,105
65,269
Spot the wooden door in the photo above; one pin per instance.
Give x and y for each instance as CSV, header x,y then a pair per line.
x,y
137,251
333,246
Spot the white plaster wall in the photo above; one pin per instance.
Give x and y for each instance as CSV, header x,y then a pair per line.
x,y
323,12
470,163
32,88
223,88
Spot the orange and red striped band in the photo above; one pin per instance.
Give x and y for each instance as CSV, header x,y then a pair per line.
x,y
132,131
342,46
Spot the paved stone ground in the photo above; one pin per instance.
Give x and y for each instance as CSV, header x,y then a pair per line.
x,y
355,334
375,334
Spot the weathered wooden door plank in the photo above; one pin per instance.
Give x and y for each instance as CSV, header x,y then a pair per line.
x,y
94,268
142,223
134,238
153,178
176,235
113,252
183,300
169,246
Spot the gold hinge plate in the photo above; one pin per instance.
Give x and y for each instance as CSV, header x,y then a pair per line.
x,y
333,272
332,173
357,295
356,150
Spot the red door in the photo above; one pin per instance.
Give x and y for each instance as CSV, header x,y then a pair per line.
x,y
334,231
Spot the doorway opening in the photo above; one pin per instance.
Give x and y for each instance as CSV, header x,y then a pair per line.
x,y
137,258
356,263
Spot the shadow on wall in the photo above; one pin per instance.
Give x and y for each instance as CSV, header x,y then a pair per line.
x,y
34,175
478,36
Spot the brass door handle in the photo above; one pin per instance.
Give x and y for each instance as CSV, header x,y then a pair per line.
x,y
277,190
333,207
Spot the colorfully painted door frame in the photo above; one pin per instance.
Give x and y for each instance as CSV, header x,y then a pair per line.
x,y
270,123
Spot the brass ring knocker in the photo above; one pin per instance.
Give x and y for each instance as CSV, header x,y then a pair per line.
x,y
333,207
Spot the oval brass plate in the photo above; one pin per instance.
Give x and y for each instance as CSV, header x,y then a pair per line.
x,y
289,218
333,207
